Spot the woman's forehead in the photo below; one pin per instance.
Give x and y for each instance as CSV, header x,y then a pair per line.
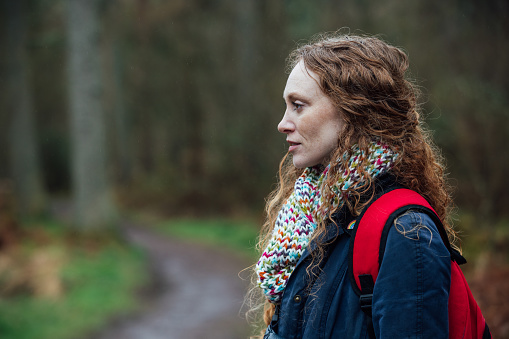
x,y
301,81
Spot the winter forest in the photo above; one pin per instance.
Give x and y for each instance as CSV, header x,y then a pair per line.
x,y
163,115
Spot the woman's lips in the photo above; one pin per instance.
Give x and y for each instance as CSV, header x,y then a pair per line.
x,y
293,146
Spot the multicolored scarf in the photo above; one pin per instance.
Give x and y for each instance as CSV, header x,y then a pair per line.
x,y
301,213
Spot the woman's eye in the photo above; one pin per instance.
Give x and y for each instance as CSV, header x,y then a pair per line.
x,y
296,105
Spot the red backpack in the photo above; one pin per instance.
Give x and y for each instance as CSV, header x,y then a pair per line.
x,y
367,247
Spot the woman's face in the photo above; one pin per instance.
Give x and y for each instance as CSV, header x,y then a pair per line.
x,y
311,122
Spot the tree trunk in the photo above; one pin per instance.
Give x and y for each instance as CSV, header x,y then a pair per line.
x,y
246,121
91,192
25,167
117,122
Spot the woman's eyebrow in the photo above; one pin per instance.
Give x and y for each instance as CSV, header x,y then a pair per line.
x,y
295,96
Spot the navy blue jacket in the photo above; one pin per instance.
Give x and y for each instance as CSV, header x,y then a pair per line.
x,y
410,297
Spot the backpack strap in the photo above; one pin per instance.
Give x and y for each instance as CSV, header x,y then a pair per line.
x,y
369,237
371,230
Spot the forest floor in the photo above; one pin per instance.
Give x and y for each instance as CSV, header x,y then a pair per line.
x,y
196,292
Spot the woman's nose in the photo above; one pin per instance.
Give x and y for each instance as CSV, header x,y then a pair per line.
x,y
285,125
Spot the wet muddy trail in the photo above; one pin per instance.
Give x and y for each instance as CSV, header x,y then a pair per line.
x,y
196,292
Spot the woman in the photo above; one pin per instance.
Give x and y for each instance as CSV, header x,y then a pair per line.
x,y
353,128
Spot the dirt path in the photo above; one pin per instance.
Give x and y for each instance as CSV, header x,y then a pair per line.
x,y
198,295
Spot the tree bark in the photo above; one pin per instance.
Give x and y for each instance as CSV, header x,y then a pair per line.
x,y
91,192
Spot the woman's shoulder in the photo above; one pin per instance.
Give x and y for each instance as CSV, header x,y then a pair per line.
x,y
414,221
416,231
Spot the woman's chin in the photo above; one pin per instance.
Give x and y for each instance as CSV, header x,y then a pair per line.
x,y
303,163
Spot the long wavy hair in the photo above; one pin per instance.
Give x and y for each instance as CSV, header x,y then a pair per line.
x,y
366,80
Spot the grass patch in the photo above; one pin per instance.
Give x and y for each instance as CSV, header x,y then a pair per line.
x,y
237,235
98,278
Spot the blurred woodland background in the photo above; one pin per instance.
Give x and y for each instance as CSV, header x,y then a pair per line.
x,y
110,107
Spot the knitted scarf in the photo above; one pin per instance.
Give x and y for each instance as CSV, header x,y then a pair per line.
x,y
301,213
